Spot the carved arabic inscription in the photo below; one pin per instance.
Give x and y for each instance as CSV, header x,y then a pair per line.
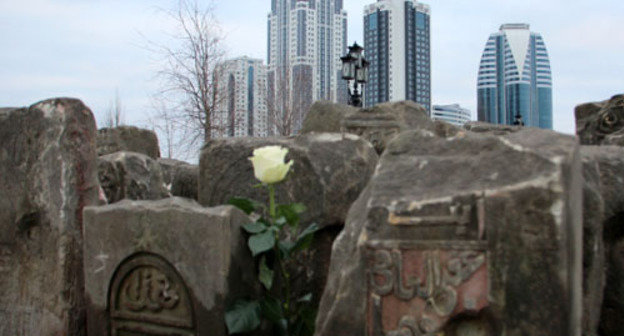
x,y
149,296
415,292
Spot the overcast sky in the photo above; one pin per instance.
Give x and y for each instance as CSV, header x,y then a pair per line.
x,y
90,48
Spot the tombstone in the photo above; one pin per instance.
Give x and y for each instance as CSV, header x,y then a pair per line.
x,y
180,177
47,175
166,267
380,123
601,123
329,172
593,221
130,175
127,138
326,117
604,239
460,233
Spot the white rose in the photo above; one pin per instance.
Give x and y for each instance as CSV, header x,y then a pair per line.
x,y
268,163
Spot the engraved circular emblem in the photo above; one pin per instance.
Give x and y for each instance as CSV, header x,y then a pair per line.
x,y
148,297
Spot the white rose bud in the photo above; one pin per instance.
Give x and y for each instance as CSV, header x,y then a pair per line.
x,y
268,163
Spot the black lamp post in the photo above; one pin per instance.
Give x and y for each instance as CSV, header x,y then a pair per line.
x,y
355,67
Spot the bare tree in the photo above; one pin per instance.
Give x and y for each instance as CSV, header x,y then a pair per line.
x,y
192,71
289,96
114,114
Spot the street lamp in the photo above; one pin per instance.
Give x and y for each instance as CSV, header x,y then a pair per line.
x,y
355,67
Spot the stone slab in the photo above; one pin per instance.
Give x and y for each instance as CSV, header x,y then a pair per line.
x,y
601,122
164,266
47,175
130,175
127,138
462,233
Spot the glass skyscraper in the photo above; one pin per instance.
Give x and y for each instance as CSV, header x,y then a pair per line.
x,y
397,45
306,39
515,78
242,110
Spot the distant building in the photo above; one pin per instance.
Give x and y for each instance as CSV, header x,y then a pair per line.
x,y
242,107
515,78
306,39
453,114
397,44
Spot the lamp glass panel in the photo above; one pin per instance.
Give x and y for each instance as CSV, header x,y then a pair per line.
x,y
347,70
362,75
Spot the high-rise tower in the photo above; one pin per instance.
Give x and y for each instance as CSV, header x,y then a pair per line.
x,y
515,79
397,44
306,39
242,110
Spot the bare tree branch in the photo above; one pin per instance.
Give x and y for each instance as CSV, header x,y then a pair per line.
x,y
289,95
191,71
114,114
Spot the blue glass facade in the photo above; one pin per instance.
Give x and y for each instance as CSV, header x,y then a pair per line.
x,y
515,79
413,41
376,39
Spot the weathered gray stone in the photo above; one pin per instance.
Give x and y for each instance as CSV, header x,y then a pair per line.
x,y
380,123
593,217
181,177
593,243
130,175
326,117
329,172
47,175
459,233
164,267
495,129
608,164
127,138
601,122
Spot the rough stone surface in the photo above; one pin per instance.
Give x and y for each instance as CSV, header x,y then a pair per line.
x,y
496,129
130,175
180,177
329,172
47,175
608,163
380,123
325,117
601,123
167,246
127,138
593,243
461,233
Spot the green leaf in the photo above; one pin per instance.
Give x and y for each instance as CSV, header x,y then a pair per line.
x,y
281,221
305,298
243,317
255,227
291,212
272,309
247,205
305,238
265,275
261,242
285,247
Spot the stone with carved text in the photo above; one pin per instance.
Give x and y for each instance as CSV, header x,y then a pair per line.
x,y
460,233
601,123
168,267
